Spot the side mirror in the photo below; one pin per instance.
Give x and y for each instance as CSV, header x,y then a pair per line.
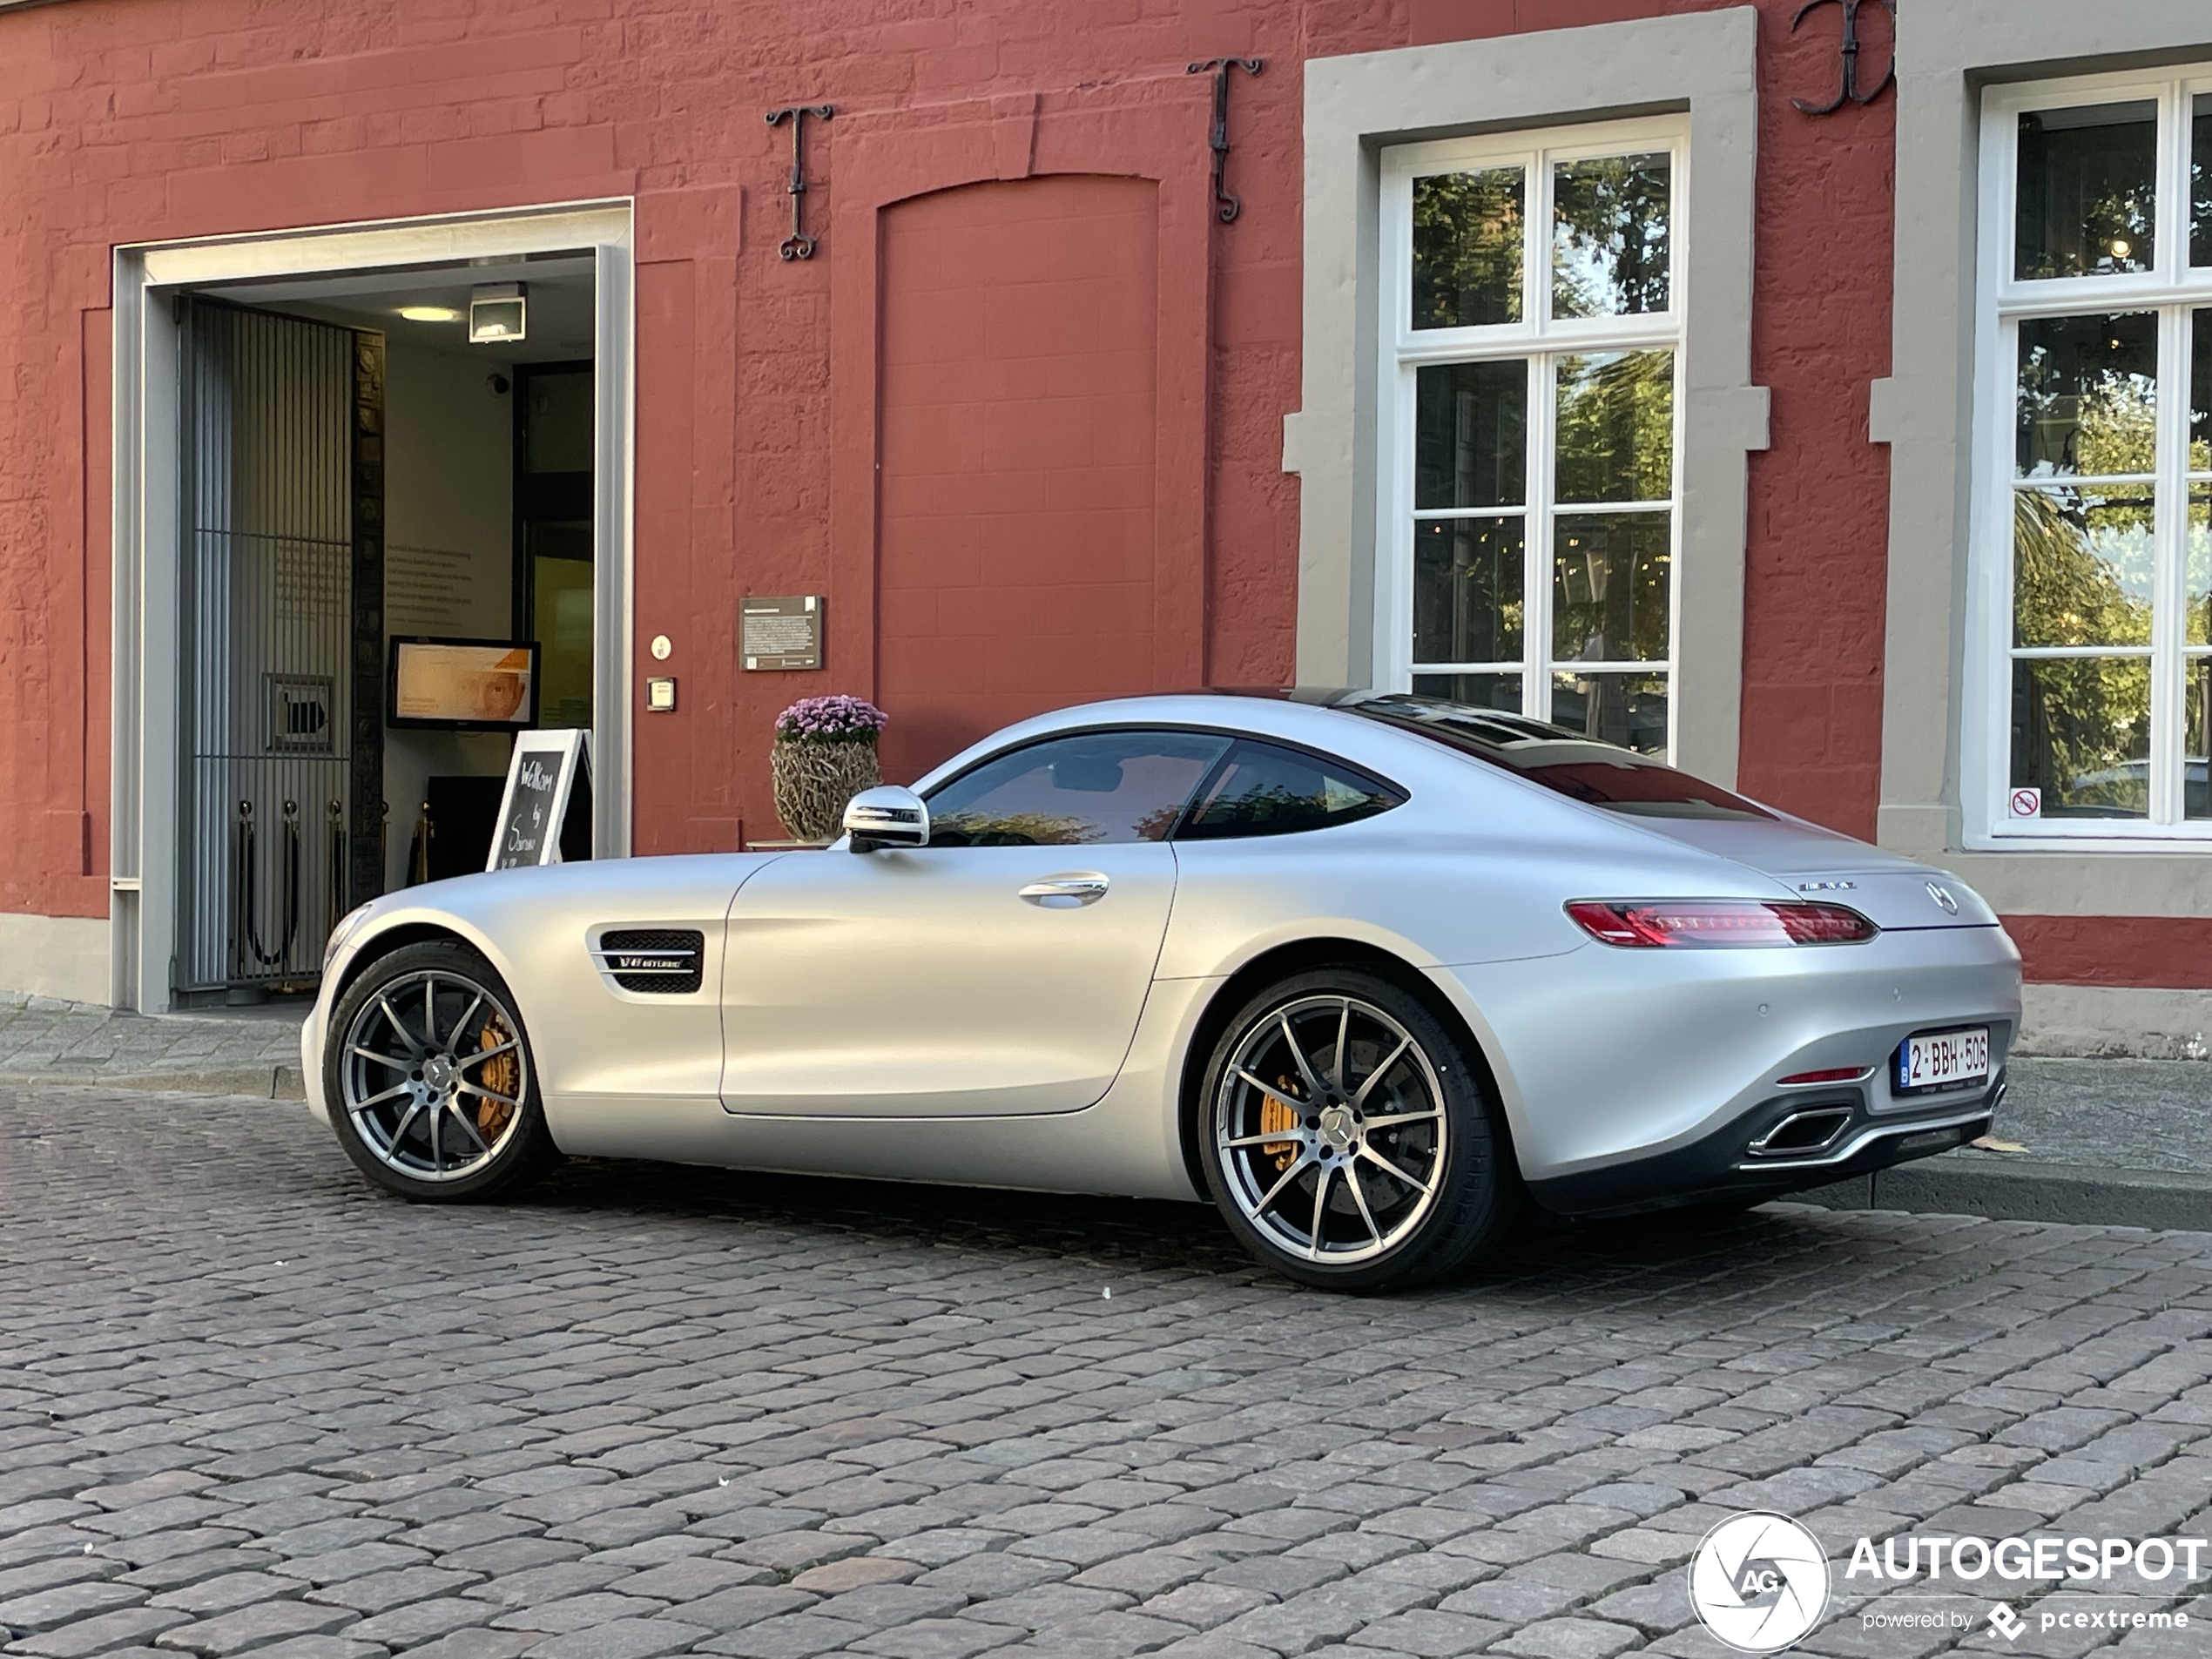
x,y
887,816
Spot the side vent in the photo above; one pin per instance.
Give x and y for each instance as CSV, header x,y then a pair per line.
x,y
657,961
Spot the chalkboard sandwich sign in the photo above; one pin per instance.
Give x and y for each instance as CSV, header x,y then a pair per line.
x,y
545,816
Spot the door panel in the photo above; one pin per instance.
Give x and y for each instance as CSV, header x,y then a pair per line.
x,y
925,982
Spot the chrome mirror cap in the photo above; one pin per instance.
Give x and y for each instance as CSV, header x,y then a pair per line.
x,y
887,816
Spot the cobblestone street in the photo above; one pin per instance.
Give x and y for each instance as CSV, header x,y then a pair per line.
x,y
246,1403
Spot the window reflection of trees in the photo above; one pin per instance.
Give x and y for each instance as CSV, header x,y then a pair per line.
x,y
1611,237
1467,230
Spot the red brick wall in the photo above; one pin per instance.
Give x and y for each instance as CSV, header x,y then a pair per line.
x,y
125,120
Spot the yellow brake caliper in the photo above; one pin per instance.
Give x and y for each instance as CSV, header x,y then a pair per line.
x,y
1273,1115
499,1075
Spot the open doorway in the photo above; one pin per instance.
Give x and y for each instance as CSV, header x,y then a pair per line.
x,y
387,564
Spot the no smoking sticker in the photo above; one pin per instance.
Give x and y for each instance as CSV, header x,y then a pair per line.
x,y
2027,803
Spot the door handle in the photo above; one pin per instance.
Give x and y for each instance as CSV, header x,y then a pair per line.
x,y
1065,891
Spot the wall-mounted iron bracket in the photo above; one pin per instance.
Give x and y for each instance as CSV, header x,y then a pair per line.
x,y
1849,94
797,245
1227,205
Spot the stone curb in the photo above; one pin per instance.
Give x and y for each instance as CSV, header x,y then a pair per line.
x,y
2162,1200
255,1083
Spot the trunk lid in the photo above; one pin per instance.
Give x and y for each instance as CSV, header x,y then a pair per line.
x,y
1891,891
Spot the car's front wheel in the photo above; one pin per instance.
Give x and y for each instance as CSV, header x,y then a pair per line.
x,y
428,1076
1350,1140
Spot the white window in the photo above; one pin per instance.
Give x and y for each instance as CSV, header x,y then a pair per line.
x,y
2091,651
1528,424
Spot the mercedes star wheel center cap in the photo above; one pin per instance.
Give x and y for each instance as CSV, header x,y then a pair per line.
x,y
1336,1127
437,1071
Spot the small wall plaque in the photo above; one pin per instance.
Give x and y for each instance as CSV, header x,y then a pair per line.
x,y
780,632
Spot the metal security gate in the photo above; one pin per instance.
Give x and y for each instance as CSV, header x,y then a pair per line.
x,y
267,485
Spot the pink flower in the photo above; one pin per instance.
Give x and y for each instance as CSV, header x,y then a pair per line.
x,y
830,719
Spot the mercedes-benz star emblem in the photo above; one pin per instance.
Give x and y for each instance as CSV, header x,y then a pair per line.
x,y
1759,1582
1941,894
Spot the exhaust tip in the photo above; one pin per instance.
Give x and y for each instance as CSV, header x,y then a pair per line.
x,y
1803,1132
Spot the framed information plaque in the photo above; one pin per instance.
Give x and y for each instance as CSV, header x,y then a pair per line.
x,y
780,632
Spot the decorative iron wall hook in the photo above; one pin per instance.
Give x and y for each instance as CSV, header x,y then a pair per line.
x,y
1227,205
1848,93
797,245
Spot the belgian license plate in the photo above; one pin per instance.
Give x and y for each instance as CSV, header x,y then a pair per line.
x,y
1942,1059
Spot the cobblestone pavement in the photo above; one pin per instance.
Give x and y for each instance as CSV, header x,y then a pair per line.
x,y
248,1404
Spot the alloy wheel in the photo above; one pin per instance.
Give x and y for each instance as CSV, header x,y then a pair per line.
x,y
434,1075
1330,1126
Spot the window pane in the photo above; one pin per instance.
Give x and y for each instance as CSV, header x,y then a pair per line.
x,y
2200,392
1617,427
2088,399
1471,434
1467,248
1467,575
1610,235
2087,188
1628,710
2196,566
1499,691
2196,741
2082,567
1609,587
2082,735
1093,788
1267,790
2200,181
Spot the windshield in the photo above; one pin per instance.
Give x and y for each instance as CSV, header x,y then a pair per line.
x,y
1579,767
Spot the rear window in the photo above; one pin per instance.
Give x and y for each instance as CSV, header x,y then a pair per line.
x,y
1579,767
1265,790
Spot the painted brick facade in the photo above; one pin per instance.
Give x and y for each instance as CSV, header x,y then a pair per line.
x,y
759,378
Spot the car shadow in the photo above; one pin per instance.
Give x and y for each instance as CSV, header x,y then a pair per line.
x,y
1541,1257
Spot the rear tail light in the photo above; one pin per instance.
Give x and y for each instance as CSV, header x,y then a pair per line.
x,y
1833,1075
1717,923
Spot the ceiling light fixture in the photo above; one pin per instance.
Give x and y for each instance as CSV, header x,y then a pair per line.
x,y
429,314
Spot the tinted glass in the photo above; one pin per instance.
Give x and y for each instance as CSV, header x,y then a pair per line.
x,y
1468,604
1467,248
2083,567
1571,762
1617,427
1094,789
1470,435
2201,180
1267,790
1610,589
2088,397
2082,735
2088,188
2201,391
1610,235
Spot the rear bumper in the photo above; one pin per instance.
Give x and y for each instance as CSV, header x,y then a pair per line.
x,y
1747,1159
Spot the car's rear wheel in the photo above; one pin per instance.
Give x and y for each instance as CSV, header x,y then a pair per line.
x,y
429,1079
1350,1140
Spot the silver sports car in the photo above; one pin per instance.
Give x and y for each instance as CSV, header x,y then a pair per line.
x,y
1371,972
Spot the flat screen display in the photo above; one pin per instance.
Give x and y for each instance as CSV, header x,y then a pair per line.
x,y
480,685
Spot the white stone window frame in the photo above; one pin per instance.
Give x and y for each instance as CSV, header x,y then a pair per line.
x,y
1542,339
1702,66
2171,288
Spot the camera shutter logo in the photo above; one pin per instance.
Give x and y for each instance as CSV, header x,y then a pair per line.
x,y
1759,1582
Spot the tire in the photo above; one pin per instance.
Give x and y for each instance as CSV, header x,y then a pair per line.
x,y
1403,1195
416,1100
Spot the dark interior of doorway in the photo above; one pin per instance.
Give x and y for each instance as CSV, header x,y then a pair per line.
x,y
490,449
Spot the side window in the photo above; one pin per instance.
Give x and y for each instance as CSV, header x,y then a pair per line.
x,y
1267,790
1091,789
